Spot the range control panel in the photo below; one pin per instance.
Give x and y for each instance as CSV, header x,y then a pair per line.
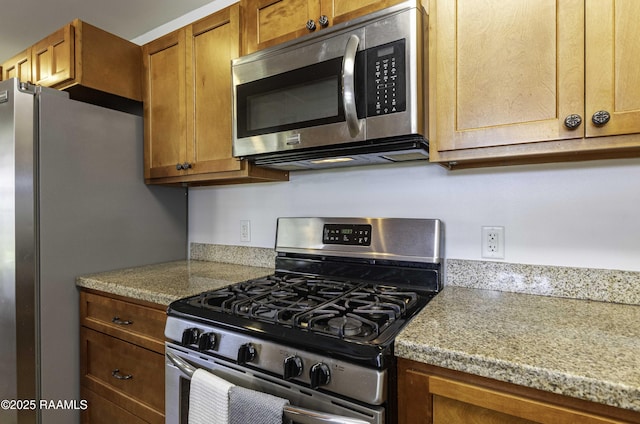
x,y
386,85
349,234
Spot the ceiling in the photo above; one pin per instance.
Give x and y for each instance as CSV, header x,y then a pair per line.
x,y
25,22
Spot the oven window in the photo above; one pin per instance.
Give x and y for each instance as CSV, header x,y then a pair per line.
x,y
185,386
304,97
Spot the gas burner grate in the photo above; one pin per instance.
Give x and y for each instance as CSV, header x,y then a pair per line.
x,y
344,309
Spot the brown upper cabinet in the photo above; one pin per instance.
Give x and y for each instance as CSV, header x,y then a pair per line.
x,y
533,81
19,66
188,105
77,56
270,22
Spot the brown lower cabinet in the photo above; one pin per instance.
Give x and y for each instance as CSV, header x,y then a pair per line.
x,y
121,359
103,411
433,395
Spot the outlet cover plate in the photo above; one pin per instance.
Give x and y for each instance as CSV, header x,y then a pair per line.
x,y
493,242
245,230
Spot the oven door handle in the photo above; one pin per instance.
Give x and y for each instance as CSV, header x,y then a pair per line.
x,y
349,85
181,364
294,413
307,416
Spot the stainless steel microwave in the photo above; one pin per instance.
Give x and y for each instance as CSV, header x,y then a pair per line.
x,y
352,94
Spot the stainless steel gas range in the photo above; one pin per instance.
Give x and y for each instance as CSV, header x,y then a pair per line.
x,y
320,330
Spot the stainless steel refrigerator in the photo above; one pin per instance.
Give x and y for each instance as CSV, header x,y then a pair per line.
x,y
72,201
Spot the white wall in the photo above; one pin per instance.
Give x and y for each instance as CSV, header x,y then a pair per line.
x,y
577,214
186,19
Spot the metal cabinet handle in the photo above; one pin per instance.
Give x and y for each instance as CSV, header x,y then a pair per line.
x,y
178,166
311,25
600,118
323,20
349,86
185,166
116,374
573,121
117,320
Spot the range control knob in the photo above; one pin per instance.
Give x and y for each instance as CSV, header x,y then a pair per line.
x,y
207,341
320,375
246,353
292,367
190,336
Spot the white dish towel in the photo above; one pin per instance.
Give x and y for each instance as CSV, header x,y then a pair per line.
x,y
208,399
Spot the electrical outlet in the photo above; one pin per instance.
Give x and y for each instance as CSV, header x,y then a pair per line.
x,y
493,242
245,230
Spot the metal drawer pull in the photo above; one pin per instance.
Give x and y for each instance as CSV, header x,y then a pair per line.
x,y
293,413
116,374
117,320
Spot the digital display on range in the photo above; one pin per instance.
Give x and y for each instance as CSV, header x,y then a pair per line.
x,y
347,234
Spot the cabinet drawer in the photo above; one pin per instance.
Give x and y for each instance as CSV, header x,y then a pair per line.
x,y
101,411
136,323
127,375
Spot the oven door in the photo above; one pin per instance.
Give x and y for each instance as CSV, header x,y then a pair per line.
x,y
306,406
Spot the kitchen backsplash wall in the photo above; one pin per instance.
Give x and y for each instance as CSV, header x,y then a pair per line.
x,y
571,214
557,281
240,255
575,283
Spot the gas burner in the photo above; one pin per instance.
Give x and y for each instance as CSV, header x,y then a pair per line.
x,y
336,322
345,326
279,307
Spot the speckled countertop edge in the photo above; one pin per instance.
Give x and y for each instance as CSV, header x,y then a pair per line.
x,y
166,282
576,348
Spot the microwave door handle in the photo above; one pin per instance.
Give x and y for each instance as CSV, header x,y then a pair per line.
x,y
349,86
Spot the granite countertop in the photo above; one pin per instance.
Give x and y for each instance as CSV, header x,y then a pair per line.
x,y
579,348
166,282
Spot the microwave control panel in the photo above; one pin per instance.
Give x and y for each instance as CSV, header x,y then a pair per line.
x,y
386,79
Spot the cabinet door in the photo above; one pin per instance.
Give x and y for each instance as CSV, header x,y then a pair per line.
x,y
101,411
53,60
213,42
344,10
18,66
270,22
612,63
127,375
505,72
165,129
457,402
